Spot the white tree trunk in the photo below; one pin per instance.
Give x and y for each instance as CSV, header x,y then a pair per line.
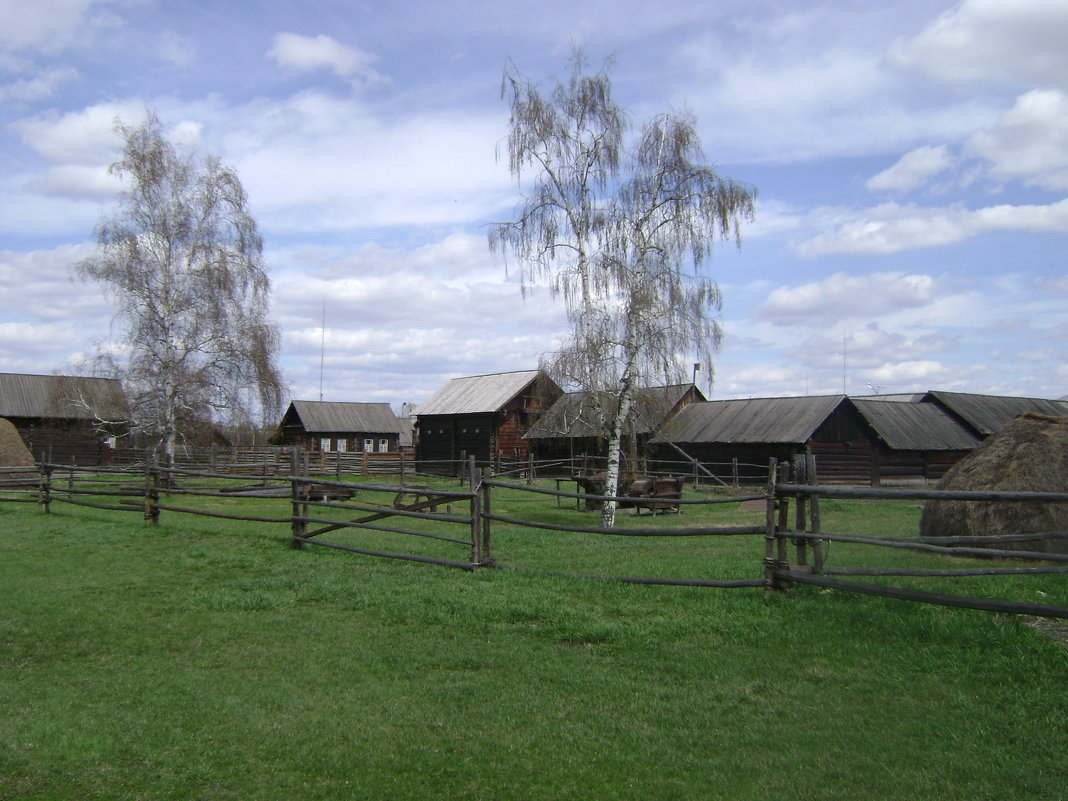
x,y
611,483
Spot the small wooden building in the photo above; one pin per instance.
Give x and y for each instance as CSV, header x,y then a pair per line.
x,y
913,442
743,435
571,429
485,416
66,419
342,427
985,414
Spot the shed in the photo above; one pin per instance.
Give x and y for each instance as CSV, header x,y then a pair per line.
x,y
755,430
68,419
985,414
342,427
569,428
914,441
485,416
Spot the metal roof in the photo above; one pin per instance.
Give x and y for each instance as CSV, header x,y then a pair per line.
x,y
478,394
570,417
61,396
908,426
987,413
755,420
342,416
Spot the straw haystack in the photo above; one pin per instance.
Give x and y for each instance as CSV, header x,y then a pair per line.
x,y
1027,454
14,453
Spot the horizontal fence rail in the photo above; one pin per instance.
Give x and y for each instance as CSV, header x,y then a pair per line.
x,y
807,533
464,517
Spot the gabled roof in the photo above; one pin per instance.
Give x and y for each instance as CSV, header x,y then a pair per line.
x,y
571,415
341,416
61,396
987,413
915,426
478,394
756,420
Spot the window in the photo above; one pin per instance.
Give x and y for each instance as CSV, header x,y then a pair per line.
x,y
342,445
369,445
383,445
324,444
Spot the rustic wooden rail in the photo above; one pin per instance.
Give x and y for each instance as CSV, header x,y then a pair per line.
x,y
780,574
314,511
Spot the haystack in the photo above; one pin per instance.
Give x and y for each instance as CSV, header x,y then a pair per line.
x,y
14,453
1027,454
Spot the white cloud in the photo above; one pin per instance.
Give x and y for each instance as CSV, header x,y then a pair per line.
x,y
326,163
48,25
912,170
42,85
84,137
891,227
842,295
1029,142
310,53
1019,41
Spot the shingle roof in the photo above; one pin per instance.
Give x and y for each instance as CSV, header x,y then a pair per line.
x,y
568,417
477,394
340,416
915,426
987,413
60,396
755,420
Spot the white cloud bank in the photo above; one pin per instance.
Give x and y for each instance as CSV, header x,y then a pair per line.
x,y
1012,41
894,227
311,53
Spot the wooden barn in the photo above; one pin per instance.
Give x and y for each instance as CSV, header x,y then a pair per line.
x,y
485,416
985,414
913,441
65,419
342,427
873,440
745,434
569,429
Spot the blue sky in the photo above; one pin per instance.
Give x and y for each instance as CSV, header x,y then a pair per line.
x,y
911,160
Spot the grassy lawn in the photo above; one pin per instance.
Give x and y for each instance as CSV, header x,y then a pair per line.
x,y
206,659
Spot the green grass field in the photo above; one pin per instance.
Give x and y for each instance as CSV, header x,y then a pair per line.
x,y
207,659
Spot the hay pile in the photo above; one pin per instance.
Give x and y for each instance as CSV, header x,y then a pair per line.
x,y
14,453
1028,454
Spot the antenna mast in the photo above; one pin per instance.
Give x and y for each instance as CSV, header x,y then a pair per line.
x,y
322,353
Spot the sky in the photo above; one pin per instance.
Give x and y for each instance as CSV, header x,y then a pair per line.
x,y
910,159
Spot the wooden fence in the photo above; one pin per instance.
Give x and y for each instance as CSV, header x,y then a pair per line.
x,y
808,539
316,507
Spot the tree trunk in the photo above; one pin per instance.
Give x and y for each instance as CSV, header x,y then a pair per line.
x,y
611,483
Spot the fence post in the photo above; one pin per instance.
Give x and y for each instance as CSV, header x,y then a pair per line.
x,y
734,471
801,522
476,512
45,496
486,506
814,506
298,526
770,517
152,484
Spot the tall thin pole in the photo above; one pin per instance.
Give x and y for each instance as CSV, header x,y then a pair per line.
x,y
844,364
322,353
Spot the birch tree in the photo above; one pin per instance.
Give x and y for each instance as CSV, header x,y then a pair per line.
x,y
183,259
568,142
661,226
625,241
